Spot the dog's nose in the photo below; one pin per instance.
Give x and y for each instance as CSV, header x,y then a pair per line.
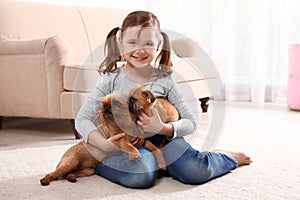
x,y
152,99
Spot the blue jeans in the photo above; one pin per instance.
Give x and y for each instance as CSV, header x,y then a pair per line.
x,y
184,164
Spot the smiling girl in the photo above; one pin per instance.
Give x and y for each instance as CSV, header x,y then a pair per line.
x,y
146,52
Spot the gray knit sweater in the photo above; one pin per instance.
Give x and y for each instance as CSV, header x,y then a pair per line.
x,y
86,120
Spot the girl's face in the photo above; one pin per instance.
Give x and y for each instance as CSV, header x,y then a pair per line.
x,y
139,45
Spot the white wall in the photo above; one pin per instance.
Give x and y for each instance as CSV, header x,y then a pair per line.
x,y
124,4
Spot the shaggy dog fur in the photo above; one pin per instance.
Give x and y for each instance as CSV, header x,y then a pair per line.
x,y
116,114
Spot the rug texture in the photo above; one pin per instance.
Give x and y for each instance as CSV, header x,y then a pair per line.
x,y
267,178
270,139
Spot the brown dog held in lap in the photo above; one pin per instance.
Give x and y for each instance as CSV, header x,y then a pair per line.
x,y
142,100
81,159
115,118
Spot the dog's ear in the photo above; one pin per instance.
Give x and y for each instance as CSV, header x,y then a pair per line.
x,y
132,107
107,109
131,104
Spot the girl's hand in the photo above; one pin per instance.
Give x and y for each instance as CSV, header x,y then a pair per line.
x,y
112,144
151,124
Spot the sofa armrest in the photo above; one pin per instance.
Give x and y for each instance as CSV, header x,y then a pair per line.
x,y
186,47
81,77
207,67
31,78
19,47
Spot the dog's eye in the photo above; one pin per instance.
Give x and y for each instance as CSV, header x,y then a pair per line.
x,y
145,94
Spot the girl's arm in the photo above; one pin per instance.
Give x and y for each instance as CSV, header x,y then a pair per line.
x,y
167,130
111,144
86,121
187,123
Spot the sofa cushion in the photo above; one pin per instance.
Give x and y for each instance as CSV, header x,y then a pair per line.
x,y
70,103
190,79
80,78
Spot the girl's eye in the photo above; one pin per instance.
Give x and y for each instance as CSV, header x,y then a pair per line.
x,y
149,44
131,43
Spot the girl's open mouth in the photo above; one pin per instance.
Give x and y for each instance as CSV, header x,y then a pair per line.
x,y
139,57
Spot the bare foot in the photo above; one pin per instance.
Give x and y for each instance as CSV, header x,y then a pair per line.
x,y
240,157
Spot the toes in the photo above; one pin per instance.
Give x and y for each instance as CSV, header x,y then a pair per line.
x,y
249,161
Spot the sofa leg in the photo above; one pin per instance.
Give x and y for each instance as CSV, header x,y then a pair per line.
x,y
204,104
77,136
1,122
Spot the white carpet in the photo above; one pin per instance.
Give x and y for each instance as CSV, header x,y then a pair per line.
x,y
270,136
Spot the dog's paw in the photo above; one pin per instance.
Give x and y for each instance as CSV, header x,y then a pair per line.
x,y
71,178
44,181
135,155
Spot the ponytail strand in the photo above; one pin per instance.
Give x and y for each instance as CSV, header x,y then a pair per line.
x,y
112,52
164,56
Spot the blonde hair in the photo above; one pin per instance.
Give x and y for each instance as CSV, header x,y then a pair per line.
x,y
112,51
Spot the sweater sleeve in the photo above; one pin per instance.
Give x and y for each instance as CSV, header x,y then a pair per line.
x,y
86,120
187,123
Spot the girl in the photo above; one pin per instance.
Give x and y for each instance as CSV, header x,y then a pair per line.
x,y
137,43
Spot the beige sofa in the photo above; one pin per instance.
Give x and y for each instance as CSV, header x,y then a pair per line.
x,y
49,55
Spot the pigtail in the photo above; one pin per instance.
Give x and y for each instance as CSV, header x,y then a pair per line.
x,y
112,52
164,57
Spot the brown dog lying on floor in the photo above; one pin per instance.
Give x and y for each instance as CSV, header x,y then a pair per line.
x,y
81,159
77,161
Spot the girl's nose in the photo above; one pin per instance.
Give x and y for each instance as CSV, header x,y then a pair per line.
x,y
140,50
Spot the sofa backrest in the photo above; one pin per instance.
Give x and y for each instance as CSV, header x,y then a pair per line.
x,y
84,28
